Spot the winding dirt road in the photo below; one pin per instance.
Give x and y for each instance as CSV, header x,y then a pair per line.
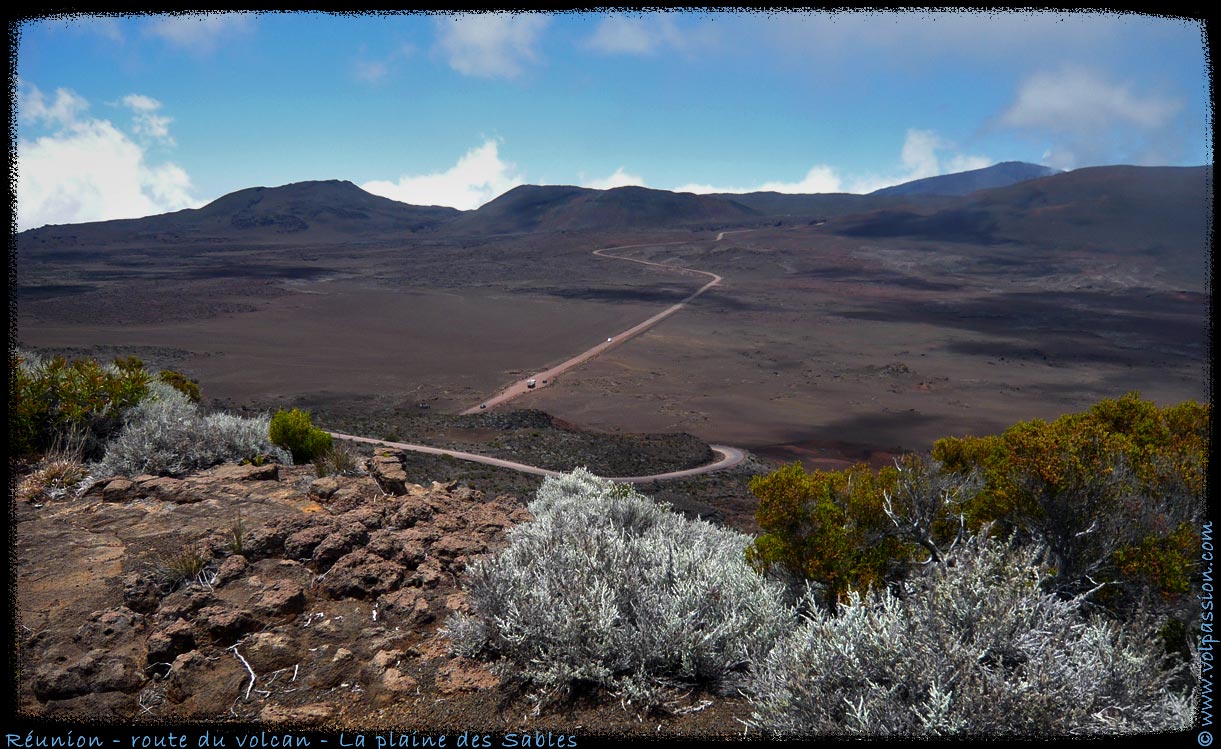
x,y
547,377
730,457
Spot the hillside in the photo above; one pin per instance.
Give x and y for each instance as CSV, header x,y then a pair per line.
x,y
964,183
532,208
323,211
819,207
1161,212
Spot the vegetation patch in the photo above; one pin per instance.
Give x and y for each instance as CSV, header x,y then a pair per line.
x,y
293,431
339,460
975,648
605,588
167,435
1116,494
54,401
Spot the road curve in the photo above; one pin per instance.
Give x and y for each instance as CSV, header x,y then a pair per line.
x,y
547,377
730,457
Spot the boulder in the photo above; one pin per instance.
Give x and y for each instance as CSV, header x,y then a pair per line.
x,y
118,489
361,574
167,644
387,470
105,628
323,487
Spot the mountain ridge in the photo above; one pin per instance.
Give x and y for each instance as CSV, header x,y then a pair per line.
x,y
337,210
1002,174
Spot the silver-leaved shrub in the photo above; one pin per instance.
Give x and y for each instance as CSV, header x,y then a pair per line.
x,y
607,588
166,434
973,648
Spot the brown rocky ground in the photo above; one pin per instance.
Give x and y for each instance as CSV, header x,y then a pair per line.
x,y
312,602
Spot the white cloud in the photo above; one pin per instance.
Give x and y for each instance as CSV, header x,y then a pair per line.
x,y
919,159
86,169
479,176
146,121
1091,119
820,179
1075,99
199,33
962,163
490,45
377,69
33,107
635,36
619,179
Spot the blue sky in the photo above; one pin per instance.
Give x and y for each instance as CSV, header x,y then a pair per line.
x,y
127,116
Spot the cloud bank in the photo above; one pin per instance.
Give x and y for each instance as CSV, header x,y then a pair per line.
x,y
490,45
619,179
87,169
479,176
919,158
1089,119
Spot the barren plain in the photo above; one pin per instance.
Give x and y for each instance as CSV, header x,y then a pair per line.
x,y
816,346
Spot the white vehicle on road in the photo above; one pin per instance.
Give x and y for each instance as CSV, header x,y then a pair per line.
x,y
530,382
608,340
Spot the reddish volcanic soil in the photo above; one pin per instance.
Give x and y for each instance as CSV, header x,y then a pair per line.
x,y
814,344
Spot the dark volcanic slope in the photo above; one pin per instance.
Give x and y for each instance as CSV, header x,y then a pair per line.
x,y
305,211
819,207
561,208
963,183
1160,212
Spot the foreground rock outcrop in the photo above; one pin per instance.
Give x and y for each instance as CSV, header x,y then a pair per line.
x,y
248,592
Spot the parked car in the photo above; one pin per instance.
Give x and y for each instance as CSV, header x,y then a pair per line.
x,y
530,382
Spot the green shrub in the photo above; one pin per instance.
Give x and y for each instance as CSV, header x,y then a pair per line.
x,y
1115,493
293,431
180,382
82,402
855,528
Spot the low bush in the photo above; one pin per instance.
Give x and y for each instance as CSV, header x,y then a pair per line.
x,y
181,383
293,431
605,588
167,435
83,402
973,648
1115,493
337,461
857,528
58,473
173,569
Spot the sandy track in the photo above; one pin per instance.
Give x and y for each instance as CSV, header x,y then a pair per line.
x,y
730,457
545,378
